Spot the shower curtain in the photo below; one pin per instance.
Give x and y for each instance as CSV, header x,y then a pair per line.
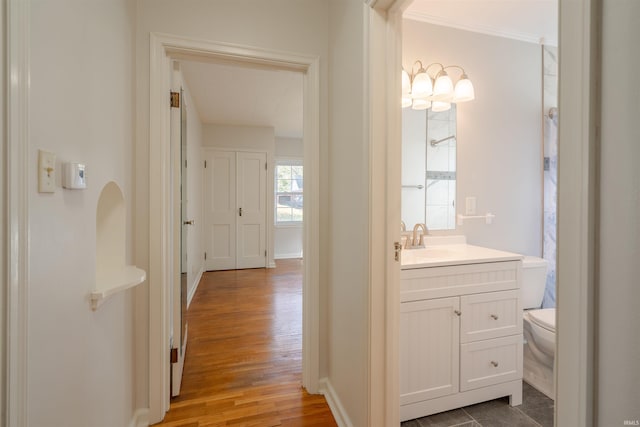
x,y
550,202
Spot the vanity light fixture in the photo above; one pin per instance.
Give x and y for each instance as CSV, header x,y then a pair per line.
x,y
421,91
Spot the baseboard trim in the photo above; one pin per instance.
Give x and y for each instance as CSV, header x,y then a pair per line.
x,y
195,288
288,256
140,418
340,415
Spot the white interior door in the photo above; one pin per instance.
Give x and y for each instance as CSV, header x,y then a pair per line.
x,y
220,210
235,210
251,221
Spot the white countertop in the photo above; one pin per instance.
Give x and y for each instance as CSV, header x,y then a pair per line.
x,y
453,254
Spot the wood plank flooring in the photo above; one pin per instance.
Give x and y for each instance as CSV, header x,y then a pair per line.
x,y
244,357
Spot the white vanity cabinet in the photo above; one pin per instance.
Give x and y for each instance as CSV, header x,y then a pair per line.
x,y
460,335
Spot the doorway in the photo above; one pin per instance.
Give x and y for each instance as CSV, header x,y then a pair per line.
x,y
164,48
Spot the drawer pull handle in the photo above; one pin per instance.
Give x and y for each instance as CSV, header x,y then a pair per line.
x,y
457,312
494,316
494,363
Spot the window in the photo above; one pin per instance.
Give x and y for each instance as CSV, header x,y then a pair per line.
x,y
288,192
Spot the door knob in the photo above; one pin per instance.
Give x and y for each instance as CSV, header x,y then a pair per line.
x,y
240,211
190,222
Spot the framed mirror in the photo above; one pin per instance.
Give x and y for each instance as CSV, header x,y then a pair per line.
x,y
429,168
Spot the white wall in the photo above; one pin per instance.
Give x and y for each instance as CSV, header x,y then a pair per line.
x,y
287,239
348,211
80,362
499,133
618,342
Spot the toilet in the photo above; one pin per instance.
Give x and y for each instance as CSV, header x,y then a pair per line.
x,y
539,325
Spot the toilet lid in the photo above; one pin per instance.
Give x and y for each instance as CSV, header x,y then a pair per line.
x,y
545,318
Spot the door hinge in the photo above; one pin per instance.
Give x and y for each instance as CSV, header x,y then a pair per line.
x,y
265,166
185,163
175,99
205,255
174,355
265,252
205,164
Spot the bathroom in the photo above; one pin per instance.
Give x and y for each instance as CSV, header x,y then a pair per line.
x,y
491,174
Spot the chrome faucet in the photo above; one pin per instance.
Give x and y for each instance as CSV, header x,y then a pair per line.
x,y
419,244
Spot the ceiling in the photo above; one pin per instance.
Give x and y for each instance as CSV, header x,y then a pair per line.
x,y
533,21
247,95
243,95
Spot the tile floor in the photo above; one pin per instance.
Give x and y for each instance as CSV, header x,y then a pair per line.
x,y
536,411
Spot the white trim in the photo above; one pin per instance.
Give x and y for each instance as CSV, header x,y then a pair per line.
x,y
17,104
292,255
162,46
577,214
195,288
337,409
140,418
478,28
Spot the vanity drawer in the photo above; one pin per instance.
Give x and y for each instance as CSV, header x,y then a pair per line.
x,y
489,362
490,315
442,282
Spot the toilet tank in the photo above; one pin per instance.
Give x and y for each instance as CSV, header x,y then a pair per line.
x,y
534,280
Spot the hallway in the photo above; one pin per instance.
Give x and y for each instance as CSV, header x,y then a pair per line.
x,y
244,356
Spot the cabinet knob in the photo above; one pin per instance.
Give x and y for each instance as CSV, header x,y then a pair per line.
x,y
494,363
457,312
494,316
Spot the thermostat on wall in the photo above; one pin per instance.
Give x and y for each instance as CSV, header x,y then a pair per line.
x,y
74,176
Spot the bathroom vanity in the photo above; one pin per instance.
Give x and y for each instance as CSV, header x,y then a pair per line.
x,y
460,327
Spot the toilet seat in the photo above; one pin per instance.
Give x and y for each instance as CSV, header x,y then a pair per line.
x,y
545,318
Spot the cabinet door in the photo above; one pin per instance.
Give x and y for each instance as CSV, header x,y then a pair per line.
x,y
429,349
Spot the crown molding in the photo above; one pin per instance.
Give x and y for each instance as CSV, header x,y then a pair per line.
x,y
479,28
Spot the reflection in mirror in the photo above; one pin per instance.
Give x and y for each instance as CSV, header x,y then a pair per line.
x,y
429,168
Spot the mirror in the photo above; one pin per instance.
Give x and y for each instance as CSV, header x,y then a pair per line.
x,y
429,168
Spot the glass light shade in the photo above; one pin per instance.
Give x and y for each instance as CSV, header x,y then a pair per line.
x,y
439,106
406,100
443,88
422,86
420,104
464,90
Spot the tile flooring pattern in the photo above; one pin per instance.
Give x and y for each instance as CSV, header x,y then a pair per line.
x,y
536,411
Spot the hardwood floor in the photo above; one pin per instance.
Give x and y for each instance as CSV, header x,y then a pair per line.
x,y
244,357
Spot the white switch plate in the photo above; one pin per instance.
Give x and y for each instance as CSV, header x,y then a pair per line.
x,y
470,206
46,172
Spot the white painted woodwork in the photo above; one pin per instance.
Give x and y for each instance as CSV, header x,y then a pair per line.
x,y
429,349
488,362
425,283
251,198
220,210
490,315
460,336
235,210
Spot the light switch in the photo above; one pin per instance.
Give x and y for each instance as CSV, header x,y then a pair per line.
x,y
46,172
470,206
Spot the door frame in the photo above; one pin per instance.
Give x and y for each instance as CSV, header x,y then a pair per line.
x,y
163,47
576,370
